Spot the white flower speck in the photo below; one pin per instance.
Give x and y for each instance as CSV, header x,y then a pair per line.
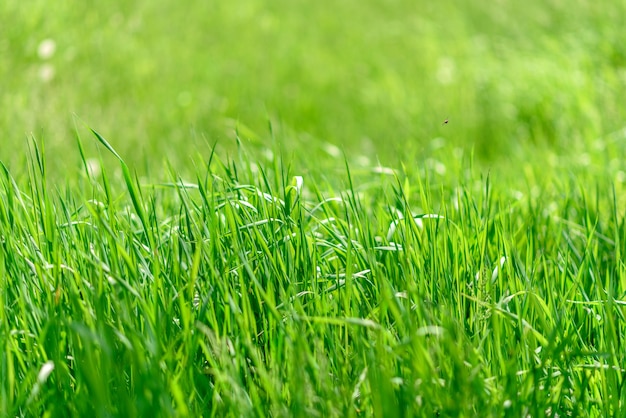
x,y
46,73
93,167
46,49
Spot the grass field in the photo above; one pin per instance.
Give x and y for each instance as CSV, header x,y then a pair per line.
x,y
256,209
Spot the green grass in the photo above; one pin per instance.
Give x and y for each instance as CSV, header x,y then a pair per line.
x,y
376,79
269,217
247,291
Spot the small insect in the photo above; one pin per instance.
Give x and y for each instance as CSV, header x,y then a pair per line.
x,y
445,122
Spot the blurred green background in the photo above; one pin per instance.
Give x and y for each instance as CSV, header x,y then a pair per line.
x,y
376,79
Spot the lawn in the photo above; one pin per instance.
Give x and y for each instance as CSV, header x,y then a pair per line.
x,y
289,208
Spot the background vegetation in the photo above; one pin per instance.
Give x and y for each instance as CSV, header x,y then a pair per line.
x,y
271,218
376,79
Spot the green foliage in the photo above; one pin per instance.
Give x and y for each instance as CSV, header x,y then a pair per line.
x,y
341,252
250,292
376,79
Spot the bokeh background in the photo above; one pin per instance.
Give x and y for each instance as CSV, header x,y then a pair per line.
x,y
373,80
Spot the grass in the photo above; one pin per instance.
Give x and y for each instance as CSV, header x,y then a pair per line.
x,y
270,217
376,80
250,292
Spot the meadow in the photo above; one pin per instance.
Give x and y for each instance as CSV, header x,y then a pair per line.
x,y
289,208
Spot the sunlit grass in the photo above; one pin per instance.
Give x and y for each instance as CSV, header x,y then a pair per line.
x,y
376,79
304,209
250,291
